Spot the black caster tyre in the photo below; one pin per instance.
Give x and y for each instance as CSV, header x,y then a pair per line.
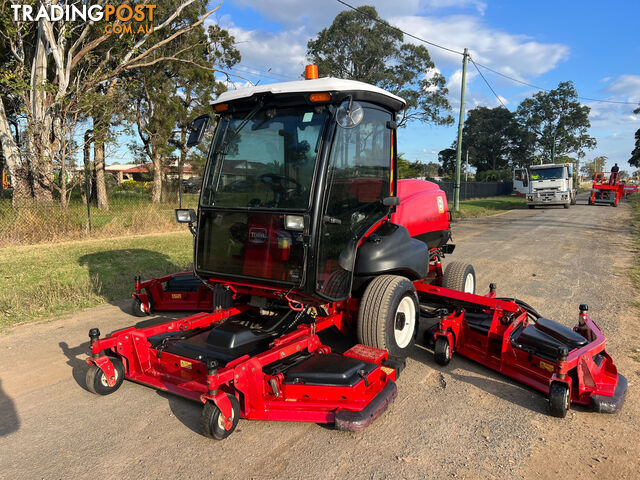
x,y
137,308
558,400
212,421
442,351
460,276
96,380
388,315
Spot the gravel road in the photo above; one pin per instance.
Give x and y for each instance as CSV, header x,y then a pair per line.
x,y
460,421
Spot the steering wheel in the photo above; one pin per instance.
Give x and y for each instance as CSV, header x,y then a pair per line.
x,y
280,183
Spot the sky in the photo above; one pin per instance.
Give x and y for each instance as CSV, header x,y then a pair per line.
x,y
541,43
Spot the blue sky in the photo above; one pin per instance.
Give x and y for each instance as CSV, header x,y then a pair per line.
x,y
592,43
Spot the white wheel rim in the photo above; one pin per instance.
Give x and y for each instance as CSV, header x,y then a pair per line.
x,y
403,335
469,284
103,378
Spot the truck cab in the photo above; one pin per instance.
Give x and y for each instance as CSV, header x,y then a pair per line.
x,y
551,184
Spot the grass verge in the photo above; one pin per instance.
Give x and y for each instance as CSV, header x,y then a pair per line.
x,y
634,200
43,281
484,207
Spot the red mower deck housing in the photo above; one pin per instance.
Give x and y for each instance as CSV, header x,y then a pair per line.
x,y
510,337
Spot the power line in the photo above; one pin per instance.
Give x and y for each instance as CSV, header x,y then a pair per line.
x,y
387,24
486,81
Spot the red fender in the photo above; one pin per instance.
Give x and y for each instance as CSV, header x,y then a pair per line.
x,y
104,364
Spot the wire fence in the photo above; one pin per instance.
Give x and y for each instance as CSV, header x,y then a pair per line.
x,y
130,212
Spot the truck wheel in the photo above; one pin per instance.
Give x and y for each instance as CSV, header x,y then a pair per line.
x,y
388,315
442,351
212,422
137,308
460,276
96,380
531,207
558,399
566,205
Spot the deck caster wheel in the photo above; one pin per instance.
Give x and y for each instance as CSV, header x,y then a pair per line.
x,y
442,351
137,308
212,423
388,315
558,399
460,276
96,380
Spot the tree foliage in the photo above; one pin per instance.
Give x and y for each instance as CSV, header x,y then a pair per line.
x,y
360,46
634,161
559,121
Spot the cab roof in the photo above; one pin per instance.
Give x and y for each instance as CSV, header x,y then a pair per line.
x,y
337,87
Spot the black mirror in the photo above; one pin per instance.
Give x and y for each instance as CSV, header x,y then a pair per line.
x,y
197,129
184,215
391,201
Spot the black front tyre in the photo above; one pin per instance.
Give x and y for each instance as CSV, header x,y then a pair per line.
x,y
137,308
460,276
96,380
442,351
558,399
212,423
388,315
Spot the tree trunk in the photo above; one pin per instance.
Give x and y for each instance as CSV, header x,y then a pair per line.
x,y
156,196
101,188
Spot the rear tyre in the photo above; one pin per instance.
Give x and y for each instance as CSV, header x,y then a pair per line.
x,y
96,380
442,351
558,399
388,315
460,276
212,424
137,308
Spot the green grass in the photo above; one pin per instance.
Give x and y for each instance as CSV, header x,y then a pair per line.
x,y
634,271
43,281
484,207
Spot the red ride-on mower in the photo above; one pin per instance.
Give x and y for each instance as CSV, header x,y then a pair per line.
x,y
509,336
314,247
606,189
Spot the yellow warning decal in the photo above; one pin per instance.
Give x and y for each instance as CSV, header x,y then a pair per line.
x,y
440,205
387,370
547,366
185,364
176,296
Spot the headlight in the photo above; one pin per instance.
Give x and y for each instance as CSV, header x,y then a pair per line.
x,y
294,222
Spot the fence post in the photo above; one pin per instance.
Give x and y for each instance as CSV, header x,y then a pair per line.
x,y
87,182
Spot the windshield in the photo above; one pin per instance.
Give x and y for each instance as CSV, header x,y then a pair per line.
x,y
554,173
265,161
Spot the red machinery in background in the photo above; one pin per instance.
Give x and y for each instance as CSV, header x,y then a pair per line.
x,y
606,188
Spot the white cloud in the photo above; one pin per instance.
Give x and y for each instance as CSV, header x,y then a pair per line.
x,y
626,87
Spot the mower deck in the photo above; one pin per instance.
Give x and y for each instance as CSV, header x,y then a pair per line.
x,y
224,358
571,366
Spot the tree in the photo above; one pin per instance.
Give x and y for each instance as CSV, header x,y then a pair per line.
x,y
53,65
162,116
634,161
596,165
494,140
447,159
559,120
360,46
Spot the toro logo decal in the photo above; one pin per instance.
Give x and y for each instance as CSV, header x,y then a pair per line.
x,y
258,235
440,205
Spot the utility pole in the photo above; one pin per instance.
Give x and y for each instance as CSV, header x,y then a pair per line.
x,y
456,198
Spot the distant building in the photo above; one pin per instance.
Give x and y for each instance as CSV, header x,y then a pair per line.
x,y
137,171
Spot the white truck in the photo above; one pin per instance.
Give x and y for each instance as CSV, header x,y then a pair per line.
x,y
550,184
